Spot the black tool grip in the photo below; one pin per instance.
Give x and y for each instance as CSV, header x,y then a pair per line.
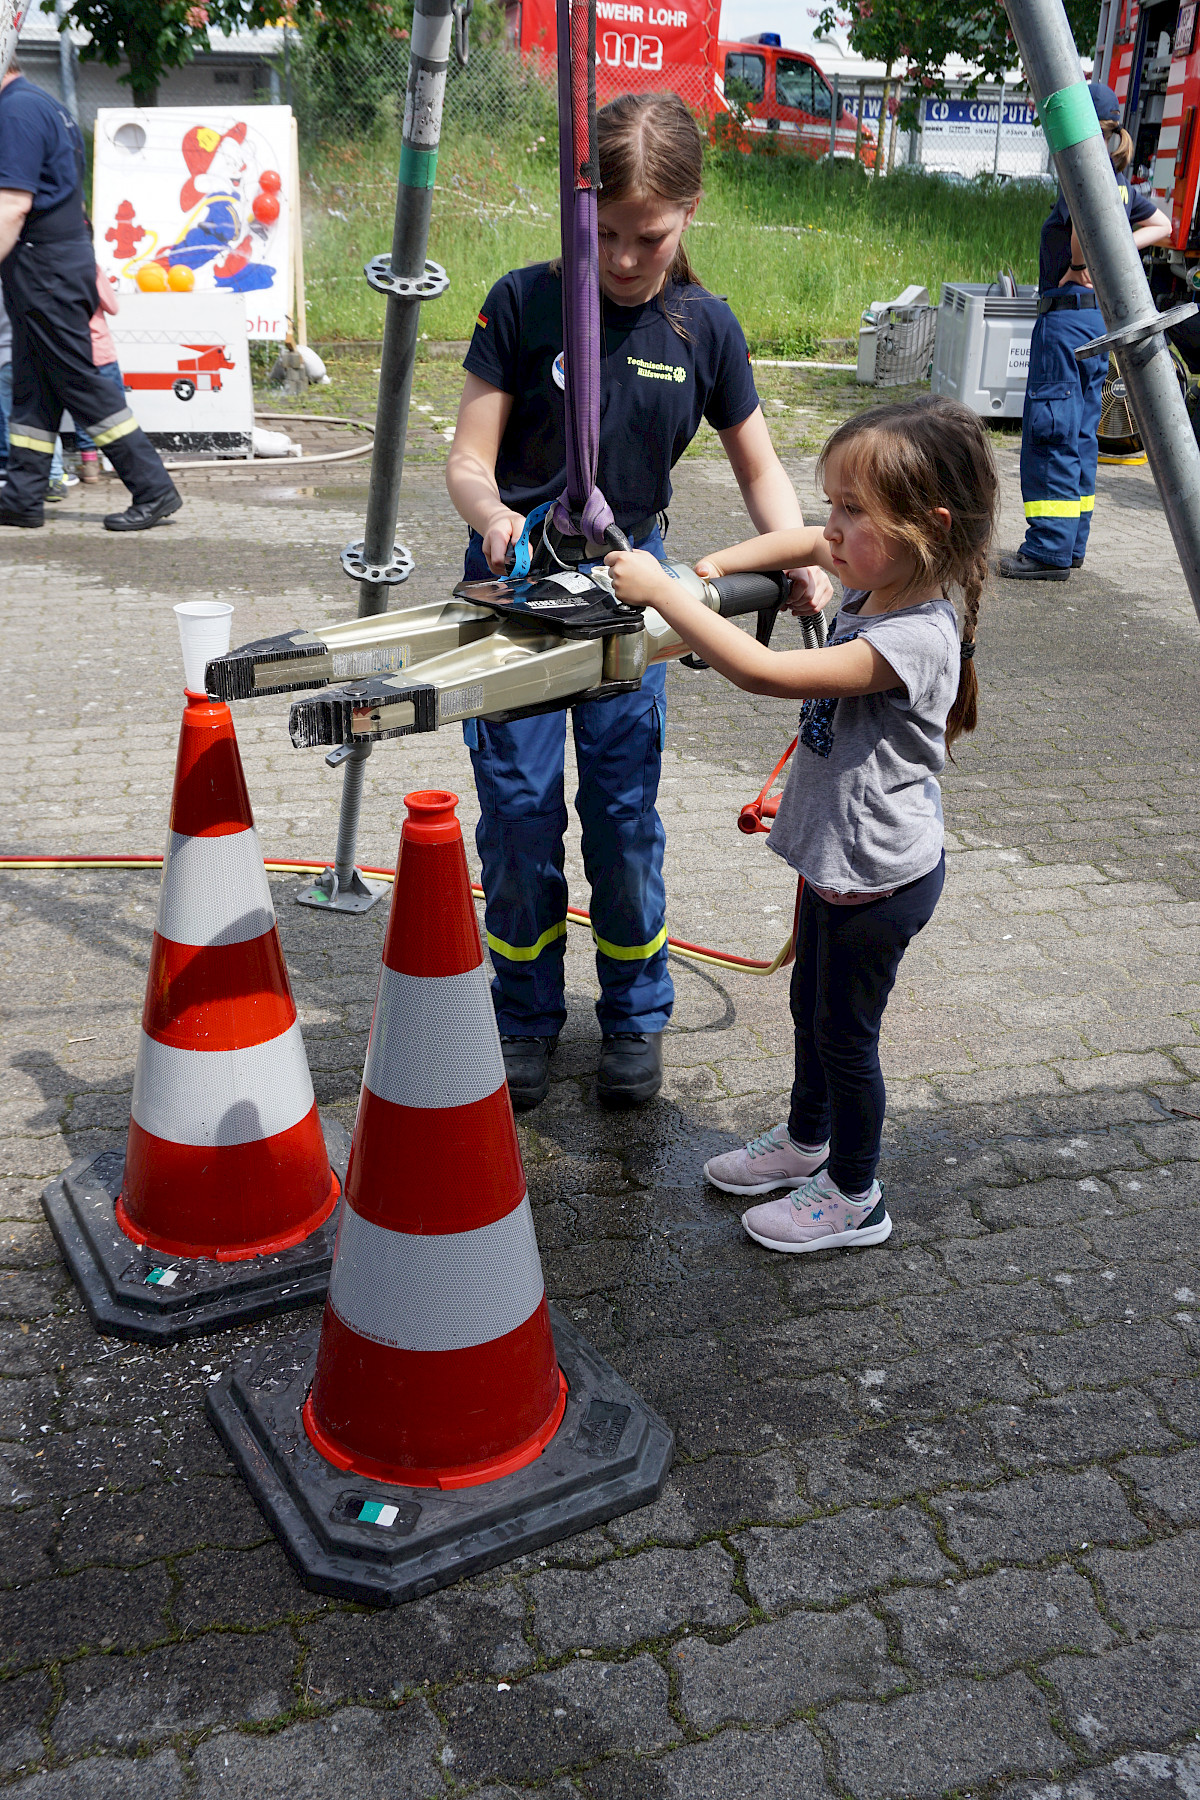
x,y
740,594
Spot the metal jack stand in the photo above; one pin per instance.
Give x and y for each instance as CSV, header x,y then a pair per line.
x,y
1135,330
377,562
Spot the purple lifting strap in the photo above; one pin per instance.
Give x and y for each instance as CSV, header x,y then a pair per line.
x,y
581,507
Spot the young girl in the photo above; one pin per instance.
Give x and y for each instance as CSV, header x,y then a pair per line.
x,y
912,492
672,355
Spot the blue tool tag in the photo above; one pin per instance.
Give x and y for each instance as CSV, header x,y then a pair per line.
x,y
521,551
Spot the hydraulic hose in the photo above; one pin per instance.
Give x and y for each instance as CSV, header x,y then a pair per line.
x,y
697,953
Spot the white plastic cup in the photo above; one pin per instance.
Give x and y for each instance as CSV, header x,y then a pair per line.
x,y
204,628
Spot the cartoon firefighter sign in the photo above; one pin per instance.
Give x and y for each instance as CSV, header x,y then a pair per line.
x,y
199,199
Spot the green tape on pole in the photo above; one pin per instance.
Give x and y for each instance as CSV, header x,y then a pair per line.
x,y
1068,117
418,167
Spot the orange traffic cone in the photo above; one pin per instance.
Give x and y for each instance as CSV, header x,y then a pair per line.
x,y
226,1162
225,1156
437,1363
432,1432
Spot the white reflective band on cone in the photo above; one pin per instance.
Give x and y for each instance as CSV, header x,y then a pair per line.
x,y
214,890
214,1097
449,1292
434,1040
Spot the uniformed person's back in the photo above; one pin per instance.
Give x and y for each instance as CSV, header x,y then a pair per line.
x,y
48,271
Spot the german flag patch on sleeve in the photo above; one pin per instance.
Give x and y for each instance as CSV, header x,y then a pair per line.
x,y
482,320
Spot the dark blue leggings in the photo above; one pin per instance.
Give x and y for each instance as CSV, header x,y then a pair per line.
x,y
846,963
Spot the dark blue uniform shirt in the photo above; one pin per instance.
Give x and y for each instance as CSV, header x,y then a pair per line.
x,y
655,387
41,151
1055,254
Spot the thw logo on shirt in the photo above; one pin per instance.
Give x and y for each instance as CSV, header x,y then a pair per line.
x,y
816,716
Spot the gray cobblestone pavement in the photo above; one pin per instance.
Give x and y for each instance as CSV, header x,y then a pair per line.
x,y
934,1522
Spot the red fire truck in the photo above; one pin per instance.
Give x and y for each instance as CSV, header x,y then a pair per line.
x,y
1154,68
202,370
642,44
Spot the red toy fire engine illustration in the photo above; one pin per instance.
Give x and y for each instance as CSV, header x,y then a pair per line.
x,y
203,370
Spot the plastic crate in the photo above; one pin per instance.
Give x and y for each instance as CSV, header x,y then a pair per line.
x,y
981,356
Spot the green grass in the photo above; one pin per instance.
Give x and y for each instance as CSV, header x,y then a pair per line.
x,y
798,248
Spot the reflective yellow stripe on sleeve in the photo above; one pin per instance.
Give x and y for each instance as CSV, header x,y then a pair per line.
x,y
1087,503
1052,509
630,952
527,952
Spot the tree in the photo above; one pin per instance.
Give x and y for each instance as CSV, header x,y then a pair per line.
x,y
155,36
919,36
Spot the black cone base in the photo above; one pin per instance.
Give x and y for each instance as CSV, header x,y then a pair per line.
x,y
381,1543
146,1294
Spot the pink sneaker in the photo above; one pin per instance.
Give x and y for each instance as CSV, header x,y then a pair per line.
x,y
766,1162
818,1216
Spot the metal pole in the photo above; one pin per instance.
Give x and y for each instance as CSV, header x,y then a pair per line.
x,y
999,124
833,122
66,60
377,562
858,130
1114,8
1135,330
1101,29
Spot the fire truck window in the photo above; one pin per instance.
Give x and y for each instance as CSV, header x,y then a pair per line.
x,y
750,73
794,85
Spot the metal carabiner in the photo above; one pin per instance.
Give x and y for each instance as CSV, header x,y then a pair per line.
x,y
461,10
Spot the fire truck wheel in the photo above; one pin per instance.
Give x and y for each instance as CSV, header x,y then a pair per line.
x,y
184,389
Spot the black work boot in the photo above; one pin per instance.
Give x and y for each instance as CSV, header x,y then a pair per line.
x,y
1020,567
141,518
527,1067
29,521
631,1068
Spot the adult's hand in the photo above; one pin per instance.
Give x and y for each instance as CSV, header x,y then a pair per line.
x,y
500,535
14,206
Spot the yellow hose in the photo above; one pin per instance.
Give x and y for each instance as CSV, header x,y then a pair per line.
x,y
696,953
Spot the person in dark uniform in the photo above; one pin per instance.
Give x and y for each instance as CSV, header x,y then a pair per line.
x,y
48,270
673,355
1059,445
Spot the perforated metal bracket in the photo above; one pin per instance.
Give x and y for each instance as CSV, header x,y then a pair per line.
x,y
1134,334
398,567
429,286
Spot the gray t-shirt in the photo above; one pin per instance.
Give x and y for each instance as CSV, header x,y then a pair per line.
x,y
862,810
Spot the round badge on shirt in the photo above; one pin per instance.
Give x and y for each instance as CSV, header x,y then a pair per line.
x,y
559,372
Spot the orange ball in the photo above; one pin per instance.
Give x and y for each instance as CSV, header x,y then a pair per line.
x,y
180,279
270,181
152,279
266,208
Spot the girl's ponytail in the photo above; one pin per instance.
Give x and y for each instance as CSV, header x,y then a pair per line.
x,y
964,714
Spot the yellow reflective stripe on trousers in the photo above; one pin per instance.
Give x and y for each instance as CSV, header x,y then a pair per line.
x,y
1087,503
25,440
527,952
117,425
1052,509
630,952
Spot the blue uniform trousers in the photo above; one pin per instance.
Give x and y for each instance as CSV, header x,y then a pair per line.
x,y
523,817
1058,434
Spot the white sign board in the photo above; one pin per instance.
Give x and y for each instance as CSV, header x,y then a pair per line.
x,y
186,367
205,189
